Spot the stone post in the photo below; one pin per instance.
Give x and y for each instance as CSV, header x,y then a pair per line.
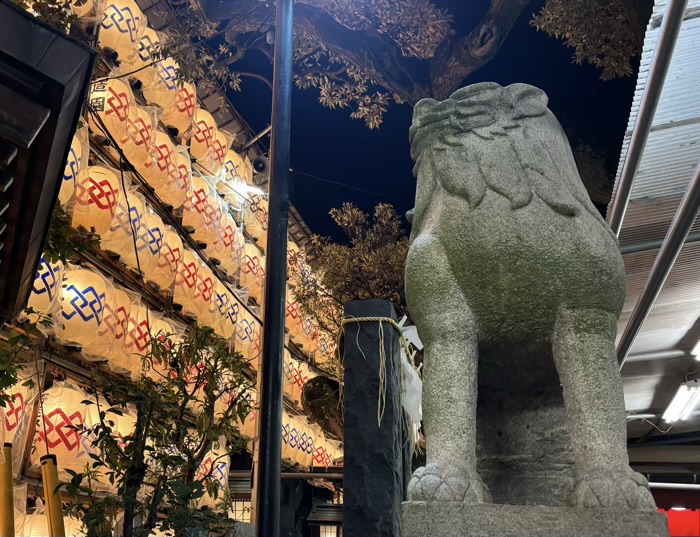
x,y
375,473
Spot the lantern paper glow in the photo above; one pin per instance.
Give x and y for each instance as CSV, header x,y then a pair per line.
x,y
45,297
64,411
179,113
76,164
138,339
82,306
248,337
202,212
139,138
121,27
18,415
160,82
252,272
203,131
96,199
145,53
215,466
111,341
129,218
186,282
112,102
169,261
227,311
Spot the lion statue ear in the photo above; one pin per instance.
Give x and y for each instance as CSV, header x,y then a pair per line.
x,y
526,100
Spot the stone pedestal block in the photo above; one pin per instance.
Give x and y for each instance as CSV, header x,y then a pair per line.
x,y
452,519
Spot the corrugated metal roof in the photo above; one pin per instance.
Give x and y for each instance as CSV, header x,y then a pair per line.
x,y
671,154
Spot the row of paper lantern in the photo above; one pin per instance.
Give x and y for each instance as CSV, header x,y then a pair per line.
x,y
16,415
111,323
304,444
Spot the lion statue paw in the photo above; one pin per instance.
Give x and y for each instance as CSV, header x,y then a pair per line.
x,y
613,488
447,484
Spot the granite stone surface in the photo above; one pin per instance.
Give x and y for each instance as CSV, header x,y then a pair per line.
x,y
515,283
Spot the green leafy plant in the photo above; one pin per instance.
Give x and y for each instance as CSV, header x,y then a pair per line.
x,y
187,402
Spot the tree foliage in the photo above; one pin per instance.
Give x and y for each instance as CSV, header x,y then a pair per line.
x,y
370,265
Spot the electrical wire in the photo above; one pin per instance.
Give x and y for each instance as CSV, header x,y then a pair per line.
x,y
317,178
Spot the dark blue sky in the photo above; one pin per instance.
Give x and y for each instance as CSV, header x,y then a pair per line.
x,y
328,144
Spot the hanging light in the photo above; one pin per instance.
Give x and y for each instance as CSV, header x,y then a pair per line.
x,y
227,314
96,198
149,256
204,297
75,166
248,337
138,142
121,27
215,466
44,298
186,282
252,272
169,260
129,219
82,306
224,247
145,53
179,113
202,212
203,131
219,148
110,343
684,402
111,100
138,339
64,416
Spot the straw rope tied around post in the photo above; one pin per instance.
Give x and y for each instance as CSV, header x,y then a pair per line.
x,y
405,350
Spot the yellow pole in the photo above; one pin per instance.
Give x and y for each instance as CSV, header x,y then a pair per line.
x,y
7,503
52,497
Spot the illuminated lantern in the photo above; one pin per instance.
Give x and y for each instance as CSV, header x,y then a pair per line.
x,y
146,52
64,411
160,175
163,331
219,148
149,255
37,525
75,166
179,187
169,260
82,306
287,450
227,311
111,336
121,27
256,218
186,282
138,339
202,212
246,171
248,337
293,315
215,467
225,246
18,416
46,290
139,139
96,199
179,113
202,135
160,82
288,372
248,428
205,296
112,102
252,270
233,163
128,219
309,335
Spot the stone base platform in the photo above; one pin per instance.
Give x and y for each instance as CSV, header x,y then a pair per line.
x,y
422,519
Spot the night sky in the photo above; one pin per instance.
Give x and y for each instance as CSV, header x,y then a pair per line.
x,y
328,144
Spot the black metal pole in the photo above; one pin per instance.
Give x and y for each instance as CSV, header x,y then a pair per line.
x,y
269,471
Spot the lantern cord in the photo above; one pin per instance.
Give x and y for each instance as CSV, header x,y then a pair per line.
x,y
184,49
37,350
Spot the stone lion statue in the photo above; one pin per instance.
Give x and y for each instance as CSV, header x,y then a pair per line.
x,y
511,268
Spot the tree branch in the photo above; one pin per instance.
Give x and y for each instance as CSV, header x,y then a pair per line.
x,y
476,49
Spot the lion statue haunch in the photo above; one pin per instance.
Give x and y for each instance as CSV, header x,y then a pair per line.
x,y
507,252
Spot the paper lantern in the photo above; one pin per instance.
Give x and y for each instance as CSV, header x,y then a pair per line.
x,y
138,142
179,113
76,164
287,453
205,296
160,82
45,296
227,311
160,175
17,416
186,282
179,187
111,341
252,272
121,27
169,260
37,525
219,147
256,218
149,255
63,411
248,337
248,427
161,330
288,372
143,56
215,467
224,247
96,199
246,171
112,101
203,131
138,340
202,212
128,219
82,306
233,164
